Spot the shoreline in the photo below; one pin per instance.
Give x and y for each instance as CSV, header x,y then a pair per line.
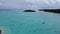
x,y
2,30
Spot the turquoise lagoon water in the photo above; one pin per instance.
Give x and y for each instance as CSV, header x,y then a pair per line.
x,y
19,22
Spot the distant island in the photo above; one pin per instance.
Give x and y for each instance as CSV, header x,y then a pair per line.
x,y
29,10
50,10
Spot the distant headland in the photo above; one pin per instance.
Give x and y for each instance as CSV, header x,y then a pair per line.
x,y
50,10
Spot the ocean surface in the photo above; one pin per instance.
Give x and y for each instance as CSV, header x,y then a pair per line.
x,y
20,22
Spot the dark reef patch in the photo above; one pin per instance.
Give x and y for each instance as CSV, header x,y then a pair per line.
x,y
43,23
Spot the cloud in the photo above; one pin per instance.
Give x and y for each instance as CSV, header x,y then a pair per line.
x,y
29,4
1,4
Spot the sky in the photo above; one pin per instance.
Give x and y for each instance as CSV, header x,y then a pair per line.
x,y
29,4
